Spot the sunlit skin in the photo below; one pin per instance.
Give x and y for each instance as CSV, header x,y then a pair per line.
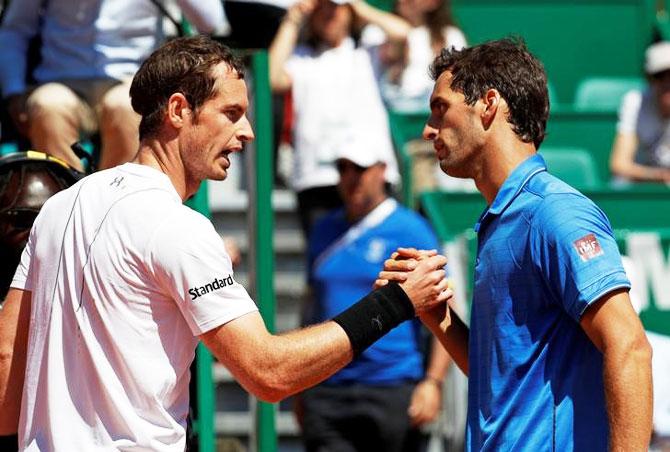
x,y
474,141
330,22
362,189
455,129
196,145
218,128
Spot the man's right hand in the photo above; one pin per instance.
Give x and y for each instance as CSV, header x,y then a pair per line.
x,y
401,262
424,282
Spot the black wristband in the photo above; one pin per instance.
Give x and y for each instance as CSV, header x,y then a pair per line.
x,y
9,443
374,315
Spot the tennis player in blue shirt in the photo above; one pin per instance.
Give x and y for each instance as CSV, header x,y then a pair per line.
x,y
556,357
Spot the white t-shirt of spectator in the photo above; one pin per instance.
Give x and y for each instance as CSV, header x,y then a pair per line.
x,y
123,278
336,103
639,115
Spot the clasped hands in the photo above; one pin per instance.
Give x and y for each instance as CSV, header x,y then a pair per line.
x,y
421,275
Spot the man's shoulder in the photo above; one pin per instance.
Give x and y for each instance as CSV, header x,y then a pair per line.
x,y
556,201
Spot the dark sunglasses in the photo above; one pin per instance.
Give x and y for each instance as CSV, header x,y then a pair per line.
x,y
663,75
19,217
344,165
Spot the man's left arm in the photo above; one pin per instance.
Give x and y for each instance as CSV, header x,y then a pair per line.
x,y
14,323
615,329
426,399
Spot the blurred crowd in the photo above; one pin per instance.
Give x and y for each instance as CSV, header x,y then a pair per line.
x,y
336,69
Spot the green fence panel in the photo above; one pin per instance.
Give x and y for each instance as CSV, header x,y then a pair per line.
x,y
203,425
574,38
260,199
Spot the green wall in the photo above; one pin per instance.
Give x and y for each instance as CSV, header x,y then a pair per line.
x,y
573,38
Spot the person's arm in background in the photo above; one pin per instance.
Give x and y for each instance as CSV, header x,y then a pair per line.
x,y
443,322
205,15
622,161
395,27
19,25
284,43
273,367
615,329
624,148
426,399
14,323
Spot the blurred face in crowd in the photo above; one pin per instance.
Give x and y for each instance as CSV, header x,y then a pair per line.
x,y
414,10
330,22
360,188
660,84
217,129
454,127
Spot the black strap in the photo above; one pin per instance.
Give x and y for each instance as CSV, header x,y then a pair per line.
x,y
178,24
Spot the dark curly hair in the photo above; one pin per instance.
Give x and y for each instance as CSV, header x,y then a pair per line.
x,y
182,65
507,66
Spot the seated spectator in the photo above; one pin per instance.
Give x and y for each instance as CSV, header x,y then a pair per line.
x,y
90,51
641,149
27,180
405,83
382,398
336,102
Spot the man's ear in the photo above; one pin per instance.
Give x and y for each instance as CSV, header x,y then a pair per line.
x,y
491,102
178,110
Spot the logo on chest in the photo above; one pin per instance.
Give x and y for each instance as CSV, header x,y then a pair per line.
x,y
588,247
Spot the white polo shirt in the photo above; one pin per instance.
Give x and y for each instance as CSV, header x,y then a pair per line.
x,y
123,278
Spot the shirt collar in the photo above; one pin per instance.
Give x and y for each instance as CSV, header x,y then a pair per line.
x,y
513,185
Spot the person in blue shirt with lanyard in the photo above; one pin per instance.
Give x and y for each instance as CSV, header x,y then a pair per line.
x,y
381,399
557,358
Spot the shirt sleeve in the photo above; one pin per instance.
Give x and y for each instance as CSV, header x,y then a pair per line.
x,y
20,24
189,261
628,112
574,249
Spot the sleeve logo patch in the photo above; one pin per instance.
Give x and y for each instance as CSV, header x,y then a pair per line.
x,y
588,247
217,284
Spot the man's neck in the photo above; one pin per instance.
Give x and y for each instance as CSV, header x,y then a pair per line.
x,y
161,156
355,217
498,164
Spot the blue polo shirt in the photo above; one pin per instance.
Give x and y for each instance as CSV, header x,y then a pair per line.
x,y
343,271
545,253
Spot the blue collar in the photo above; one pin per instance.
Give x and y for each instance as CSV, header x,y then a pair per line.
x,y
513,185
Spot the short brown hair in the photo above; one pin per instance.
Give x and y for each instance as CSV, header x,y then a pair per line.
x,y
507,66
181,65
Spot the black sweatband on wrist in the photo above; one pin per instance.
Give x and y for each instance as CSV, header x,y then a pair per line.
x,y
9,443
374,315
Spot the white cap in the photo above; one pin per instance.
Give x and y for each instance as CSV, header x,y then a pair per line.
x,y
341,2
362,157
364,152
657,58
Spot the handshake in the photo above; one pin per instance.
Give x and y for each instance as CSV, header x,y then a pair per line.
x,y
421,275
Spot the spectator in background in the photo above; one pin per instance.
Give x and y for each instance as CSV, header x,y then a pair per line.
x,y
380,400
405,83
90,51
336,101
641,149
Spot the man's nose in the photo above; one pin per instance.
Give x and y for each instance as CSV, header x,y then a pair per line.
x,y
245,133
429,132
